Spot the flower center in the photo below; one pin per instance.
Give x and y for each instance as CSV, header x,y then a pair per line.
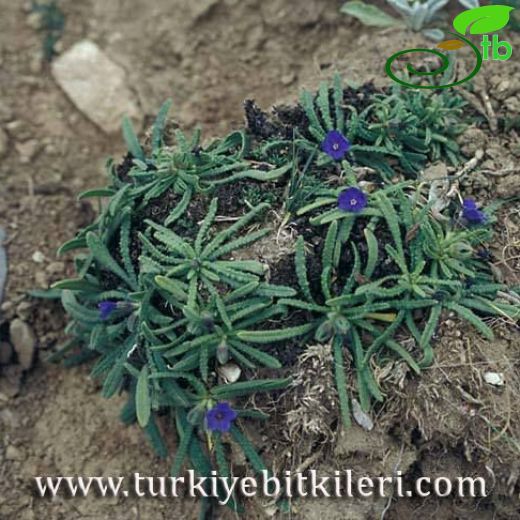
x,y
353,202
335,146
219,416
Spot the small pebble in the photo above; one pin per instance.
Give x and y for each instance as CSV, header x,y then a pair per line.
x,y
28,150
13,453
24,342
38,257
56,268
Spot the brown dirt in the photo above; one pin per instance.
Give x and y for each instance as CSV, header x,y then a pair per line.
x,y
210,56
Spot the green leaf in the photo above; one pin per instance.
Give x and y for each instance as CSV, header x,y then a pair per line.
x,y
224,471
158,126
327,257
155,438
275,291
180,208
70,245
301,269
268,336
370,15
131,139
206,224
182,450
324,106
266,360
248,449
373,252
307,102
482,20
80,312
101,192
338,102
45,294
77,284
172,286
113,381
143,404
248,387
470,316
103,256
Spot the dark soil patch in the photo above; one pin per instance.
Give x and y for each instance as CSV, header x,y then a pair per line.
x,y
283,273
124,167
284,121
287,352
232,196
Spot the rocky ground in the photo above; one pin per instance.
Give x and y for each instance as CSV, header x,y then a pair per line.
x,y
209,56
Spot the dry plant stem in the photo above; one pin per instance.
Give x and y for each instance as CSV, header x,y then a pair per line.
x,y
490,113
500,173
394,474
469,166
473,100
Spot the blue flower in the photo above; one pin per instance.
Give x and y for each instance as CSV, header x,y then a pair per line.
x,y
106,308
352,200
220,417
471,213
336,145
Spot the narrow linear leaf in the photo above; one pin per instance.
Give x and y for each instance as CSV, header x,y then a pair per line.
x,y
131,139
142,398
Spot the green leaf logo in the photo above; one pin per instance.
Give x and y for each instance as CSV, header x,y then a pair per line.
x,y
482,20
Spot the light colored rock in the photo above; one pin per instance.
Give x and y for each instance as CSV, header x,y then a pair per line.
x,y
42,280
35,20
202,8
435,172
13,453
38,257
18,130
28,150
494,378
288,79
361,417
4,144
10,382
56,268
24,342
24,309
96,85
229,372
36,61
6,113
7,310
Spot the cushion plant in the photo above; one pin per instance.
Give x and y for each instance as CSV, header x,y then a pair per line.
x,y
168,290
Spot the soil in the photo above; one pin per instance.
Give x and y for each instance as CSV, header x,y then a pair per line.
x,y
210,56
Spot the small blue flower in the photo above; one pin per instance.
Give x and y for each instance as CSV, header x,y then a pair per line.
x,y
220,417
352,200
106,308
336,145
471,212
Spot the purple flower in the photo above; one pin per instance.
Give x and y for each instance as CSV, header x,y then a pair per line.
x,y
336,145
219,418
352,200
471,213
106,308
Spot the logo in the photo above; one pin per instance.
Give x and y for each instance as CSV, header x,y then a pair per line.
x,y
481,20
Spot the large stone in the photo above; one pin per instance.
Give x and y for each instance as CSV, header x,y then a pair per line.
x,y
24,342
96,85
